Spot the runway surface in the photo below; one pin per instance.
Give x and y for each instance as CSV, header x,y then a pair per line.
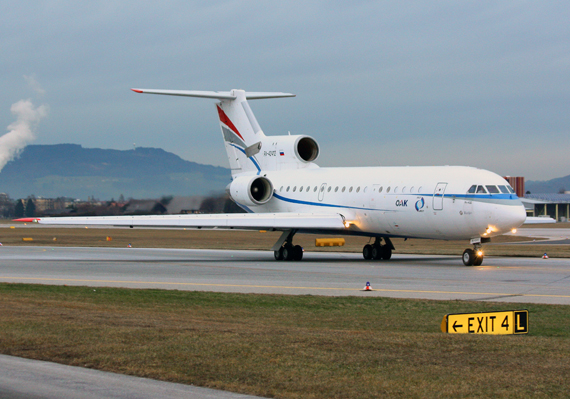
x,y
523,280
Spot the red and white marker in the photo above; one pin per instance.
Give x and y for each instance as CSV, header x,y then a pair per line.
x,y
545,256
368,287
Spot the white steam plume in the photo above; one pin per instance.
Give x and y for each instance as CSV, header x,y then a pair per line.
x,y
22,131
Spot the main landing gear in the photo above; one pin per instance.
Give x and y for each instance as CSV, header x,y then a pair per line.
x,y
473,257
378,251
284,248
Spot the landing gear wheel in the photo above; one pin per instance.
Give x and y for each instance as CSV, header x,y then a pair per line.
x,y
376,252
386,252
478,260
288,252
367,252
278,254
297,252
469,257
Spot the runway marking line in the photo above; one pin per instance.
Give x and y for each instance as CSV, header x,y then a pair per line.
x,y
279,286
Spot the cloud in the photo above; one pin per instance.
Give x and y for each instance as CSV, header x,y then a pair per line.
x,y
34,84
22,131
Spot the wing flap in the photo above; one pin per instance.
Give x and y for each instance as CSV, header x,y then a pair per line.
x,y
247,221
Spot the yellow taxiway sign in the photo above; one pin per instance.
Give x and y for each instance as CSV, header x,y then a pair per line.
x,y
504,322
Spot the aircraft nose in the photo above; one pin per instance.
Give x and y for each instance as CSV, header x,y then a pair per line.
x,y
513,217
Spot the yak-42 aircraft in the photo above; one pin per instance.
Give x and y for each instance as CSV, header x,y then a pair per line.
x,y
276,180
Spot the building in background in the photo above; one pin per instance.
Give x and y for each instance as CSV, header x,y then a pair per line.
x,y
517,183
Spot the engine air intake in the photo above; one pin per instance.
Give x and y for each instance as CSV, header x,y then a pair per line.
x,y
307,149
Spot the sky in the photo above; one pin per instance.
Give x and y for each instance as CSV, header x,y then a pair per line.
x,y
378,83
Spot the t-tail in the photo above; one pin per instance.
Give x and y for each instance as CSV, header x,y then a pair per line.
x,y
249,150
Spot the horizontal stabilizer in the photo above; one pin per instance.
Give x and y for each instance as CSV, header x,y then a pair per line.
x,y
247,221
220,95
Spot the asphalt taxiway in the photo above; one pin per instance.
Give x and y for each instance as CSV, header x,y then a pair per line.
x,y
33,379
523,280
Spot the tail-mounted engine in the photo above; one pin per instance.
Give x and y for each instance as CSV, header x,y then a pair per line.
x,y
251,190
287,152
303,148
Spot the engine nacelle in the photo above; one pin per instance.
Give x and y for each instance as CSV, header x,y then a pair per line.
x,y
251,190
295,148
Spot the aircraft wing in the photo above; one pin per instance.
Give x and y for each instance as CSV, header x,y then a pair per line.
x,y
247,221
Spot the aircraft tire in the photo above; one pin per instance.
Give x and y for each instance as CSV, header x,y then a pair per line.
x,y
288,252
468,257
297,252
376,252
478,260
278,254
386,252
367,252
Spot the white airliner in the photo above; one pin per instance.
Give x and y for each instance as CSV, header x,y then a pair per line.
x,y
276,180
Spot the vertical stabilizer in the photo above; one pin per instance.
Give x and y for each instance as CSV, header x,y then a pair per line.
x,y
242,134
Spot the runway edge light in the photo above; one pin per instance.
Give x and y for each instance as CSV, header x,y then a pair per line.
x,y
506,322
367,287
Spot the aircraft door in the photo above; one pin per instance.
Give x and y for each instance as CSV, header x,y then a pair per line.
x,y
438,196
322,191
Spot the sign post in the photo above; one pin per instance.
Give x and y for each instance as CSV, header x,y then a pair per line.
x,y
495,323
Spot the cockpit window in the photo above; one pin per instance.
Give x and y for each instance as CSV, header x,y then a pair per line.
x,y
503,189
493,189
472,189
511,189
481,190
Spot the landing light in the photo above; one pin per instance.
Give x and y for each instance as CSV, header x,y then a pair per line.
x,y
479,253
346,224
513,231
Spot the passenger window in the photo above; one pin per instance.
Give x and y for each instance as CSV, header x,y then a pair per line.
x,y
315,189
288,187
396,189
419,189
350,190
472,189
322,189
336,189
388,190
503,189
294,188
364,189
481,190
380,190
412,189
301,189
281,189
308,188
329,189
492,189
344,188
358,189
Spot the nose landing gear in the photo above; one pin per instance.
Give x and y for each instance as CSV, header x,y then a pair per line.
x,y
473,257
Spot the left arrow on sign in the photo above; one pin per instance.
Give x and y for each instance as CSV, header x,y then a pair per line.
x,y
455,325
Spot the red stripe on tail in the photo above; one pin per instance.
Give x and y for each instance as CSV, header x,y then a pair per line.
x,y
226,121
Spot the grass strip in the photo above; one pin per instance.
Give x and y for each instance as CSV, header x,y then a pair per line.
x,y
287,346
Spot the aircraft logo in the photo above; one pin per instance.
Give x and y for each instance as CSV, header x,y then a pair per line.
x,y
420,204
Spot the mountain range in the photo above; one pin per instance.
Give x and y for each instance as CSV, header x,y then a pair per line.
x,y
69,170
548,186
